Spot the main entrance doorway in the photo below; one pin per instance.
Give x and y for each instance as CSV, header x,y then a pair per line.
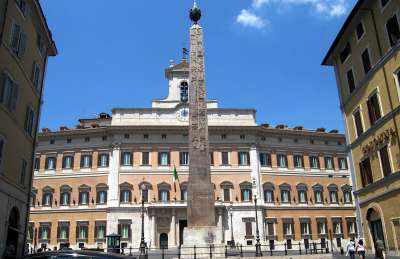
x,y
182,225
376,227
164,241
12,234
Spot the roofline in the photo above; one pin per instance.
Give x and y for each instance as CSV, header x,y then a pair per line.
x,y
53,46
341,32
173,109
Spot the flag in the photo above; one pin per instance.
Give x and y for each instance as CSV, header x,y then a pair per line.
x,y
175,178
185,51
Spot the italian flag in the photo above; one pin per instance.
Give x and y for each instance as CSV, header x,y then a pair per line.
x,y
175,178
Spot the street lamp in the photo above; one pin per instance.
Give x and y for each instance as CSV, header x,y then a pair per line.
x,y
231,214
258,245
143,245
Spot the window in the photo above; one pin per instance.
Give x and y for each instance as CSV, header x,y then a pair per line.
x,y
246,194
269,196
101,197
321,226
68,162
337,227
342,163
359,30
351,227
29,121
103,160
32,200
86,161
22,177
223,136
184,158
393,30
40,43
184,194
333,193
100,230
265,159
314,162
345,53
63,231
358,122
385,161
347,197
29,234
124,229
87,139
227,194
374,111
318,196
298,161
366,61
270,228
18,40
126,158
44,231
8,93
249,229
244,158
163,158
242,136
350,80
225,158
65,198
50,163
145,158
83,197
163,195
125,196
285,196
146,136
366,172
305,228
82,231
104,138
282,160
302,196
184,91
36,76
288,228
47,199
328,163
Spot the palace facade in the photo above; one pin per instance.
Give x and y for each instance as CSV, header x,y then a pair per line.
x,y
365,55
89,181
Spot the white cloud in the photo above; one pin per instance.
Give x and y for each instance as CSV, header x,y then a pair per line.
x,y
259,3
250,19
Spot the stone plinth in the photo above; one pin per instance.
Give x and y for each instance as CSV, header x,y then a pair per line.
x,y
202,238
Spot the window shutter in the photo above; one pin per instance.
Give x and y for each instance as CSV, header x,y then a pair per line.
x,y
82,161
168,158
14,97
99,160
248,158
159,158
90,160
120,196
22,45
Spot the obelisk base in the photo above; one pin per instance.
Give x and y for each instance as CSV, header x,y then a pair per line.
x,y
202,241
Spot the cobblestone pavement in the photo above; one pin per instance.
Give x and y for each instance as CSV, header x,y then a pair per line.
x,y
339,256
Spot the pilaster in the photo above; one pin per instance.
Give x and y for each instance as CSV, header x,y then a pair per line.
x,y
113,177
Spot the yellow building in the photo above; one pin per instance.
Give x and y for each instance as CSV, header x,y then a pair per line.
x,y
25,44
365,56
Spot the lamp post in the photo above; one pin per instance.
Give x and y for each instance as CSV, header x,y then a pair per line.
x,y
231,215
143,245
258,245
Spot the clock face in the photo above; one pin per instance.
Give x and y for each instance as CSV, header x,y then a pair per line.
x,y
183,114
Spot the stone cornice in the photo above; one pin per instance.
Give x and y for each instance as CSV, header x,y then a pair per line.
x,y
378,184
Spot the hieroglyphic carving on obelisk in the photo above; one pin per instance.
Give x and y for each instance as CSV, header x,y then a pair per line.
x,y
200,211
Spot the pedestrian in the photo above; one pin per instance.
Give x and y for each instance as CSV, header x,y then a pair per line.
x,y
360,248
380,249
351,249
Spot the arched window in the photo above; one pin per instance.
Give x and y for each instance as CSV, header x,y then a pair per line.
x,y
84,192
302,193
47,197
226,187
333,193
184,87
65,195
246,191
318,193
33,197
101,193
268,192
125,192
163,191
347,197
285,192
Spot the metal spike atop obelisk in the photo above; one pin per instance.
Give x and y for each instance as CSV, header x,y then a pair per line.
x,y
200,192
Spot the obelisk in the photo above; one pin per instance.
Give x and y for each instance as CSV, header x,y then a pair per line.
x,y
200,211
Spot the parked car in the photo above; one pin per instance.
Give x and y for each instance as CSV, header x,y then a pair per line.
x,y
76,254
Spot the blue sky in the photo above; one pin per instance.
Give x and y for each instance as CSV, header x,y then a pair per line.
x,y
262,54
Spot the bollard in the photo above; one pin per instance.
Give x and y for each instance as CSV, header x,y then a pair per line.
x,y
299,248
210,252
130,251
241,251
194,252
179,251
285,249
162,252
226,251
327,247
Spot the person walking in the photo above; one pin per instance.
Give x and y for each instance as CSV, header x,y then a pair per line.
x,y
360,248
351,249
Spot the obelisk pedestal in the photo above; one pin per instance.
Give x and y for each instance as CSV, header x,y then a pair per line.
x,y
202,230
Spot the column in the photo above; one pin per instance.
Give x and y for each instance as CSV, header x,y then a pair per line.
x,y
113,177
153,228
173,228
221,225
